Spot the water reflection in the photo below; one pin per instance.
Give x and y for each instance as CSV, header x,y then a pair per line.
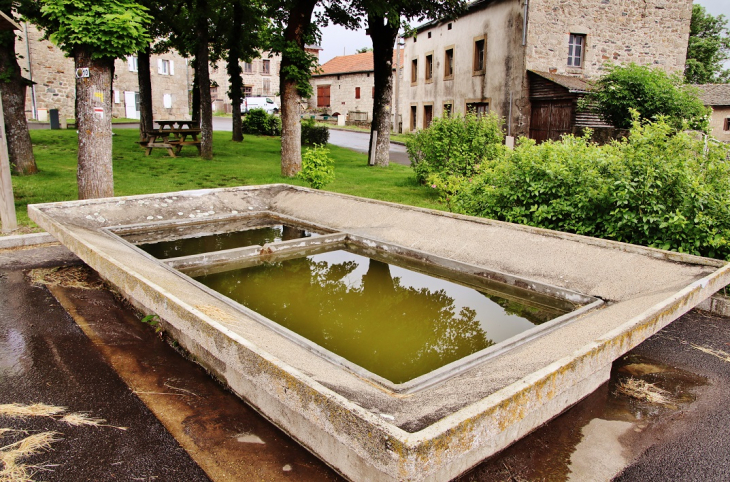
x,y
393,321
219,242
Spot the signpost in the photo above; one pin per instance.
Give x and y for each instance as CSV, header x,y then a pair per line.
x,y
7,201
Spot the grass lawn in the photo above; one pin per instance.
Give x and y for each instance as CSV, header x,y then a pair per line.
x,y
256,160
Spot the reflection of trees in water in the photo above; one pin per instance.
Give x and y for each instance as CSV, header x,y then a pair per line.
x,y
396,331
533,314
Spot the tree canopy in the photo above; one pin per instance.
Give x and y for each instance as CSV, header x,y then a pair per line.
x,y
652,92
708,49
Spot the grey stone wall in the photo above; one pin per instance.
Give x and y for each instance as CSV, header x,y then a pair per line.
x,y
717,122
647,32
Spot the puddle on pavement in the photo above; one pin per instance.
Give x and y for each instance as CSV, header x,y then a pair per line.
x,y
596,438
228,439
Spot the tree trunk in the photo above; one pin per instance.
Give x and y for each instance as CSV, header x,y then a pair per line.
x,y
20,148
206,102
383,35
291,128
234,71
145,93
196,93
94,123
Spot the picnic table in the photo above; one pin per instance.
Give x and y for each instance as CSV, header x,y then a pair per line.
x,y
172,135
178,124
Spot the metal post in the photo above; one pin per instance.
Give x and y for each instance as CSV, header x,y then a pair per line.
x,y
7,201
373,146
394,127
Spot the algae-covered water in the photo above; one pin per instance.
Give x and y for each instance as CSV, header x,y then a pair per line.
x,y
221,241
393,321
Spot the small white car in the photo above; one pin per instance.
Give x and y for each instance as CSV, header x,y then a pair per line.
x,y
266,103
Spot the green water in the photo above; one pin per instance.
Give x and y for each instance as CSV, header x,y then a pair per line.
x,y
219,242
393,321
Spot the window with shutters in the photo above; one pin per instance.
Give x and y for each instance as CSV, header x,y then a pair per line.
x,y
323,96
726,127
449,63
266,67
357,92
414,71
247,68
479,108
133,63
429,67
414,120
448,108
267,86
427,116
480,55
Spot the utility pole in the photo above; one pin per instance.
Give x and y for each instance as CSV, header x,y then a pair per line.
x,y
396,110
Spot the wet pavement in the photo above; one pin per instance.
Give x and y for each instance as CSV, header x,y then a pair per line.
x,y
67,340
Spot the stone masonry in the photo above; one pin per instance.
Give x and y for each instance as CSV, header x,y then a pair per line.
x,y
256,80
648,32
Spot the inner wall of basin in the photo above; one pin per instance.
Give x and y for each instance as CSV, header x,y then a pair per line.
x,y
221,241
383,313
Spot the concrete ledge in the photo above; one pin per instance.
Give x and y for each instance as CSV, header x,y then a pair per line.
x,y
17,241
717,304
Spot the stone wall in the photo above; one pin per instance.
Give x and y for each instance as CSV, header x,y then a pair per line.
x,y
260,83
647,32
717,122
55,88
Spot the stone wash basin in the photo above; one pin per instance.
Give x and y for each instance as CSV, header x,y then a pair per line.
x,y
435,426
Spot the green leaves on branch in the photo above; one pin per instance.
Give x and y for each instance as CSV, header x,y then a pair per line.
x,y
708,49
652,92
107,28
657,187
318,168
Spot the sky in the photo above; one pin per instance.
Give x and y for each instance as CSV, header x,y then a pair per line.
x,y
337,40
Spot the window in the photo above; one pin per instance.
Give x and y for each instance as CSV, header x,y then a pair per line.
x,y
427,115
165,67
479,108
414,109
323,96
133,63
429,68
373,92
449,26
266,67
726,127
429,34
414,71
448,109
357,92
449,63
267,86
117,97
248,68
576,46
480,51
167,101
247,90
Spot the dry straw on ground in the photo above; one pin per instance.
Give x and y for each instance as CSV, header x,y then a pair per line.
x,y
644,391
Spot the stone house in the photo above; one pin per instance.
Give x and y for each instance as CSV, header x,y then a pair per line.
x,y
529,61
344,85
717,97
53,77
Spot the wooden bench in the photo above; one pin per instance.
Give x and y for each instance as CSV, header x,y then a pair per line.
x,y
171,139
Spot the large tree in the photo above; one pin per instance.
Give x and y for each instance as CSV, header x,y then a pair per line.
x,y
13,85
95,33
385,18
293,28
708,49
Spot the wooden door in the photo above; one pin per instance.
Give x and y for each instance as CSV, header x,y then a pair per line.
x,y
323,96
551,119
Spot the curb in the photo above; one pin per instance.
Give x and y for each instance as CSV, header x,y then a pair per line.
x,y
20,240
717,304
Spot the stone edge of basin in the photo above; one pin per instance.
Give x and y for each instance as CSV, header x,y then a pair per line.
x,y
358,443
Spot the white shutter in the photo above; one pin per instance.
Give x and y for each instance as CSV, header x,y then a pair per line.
x,y
167,101
172,68
159,66
117,99
130,63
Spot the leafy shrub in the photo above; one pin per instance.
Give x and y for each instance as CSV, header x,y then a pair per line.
x,y
318,168
655,188
313,134
652,92
455,145
258,121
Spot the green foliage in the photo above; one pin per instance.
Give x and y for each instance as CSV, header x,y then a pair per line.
x,y
153,321
455,145
108,28
258,121
652,92
318,168
364,50
708,49
655,188
313,134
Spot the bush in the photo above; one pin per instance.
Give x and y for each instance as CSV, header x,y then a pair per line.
x,y
655,188
257,121
313,134
455,145
318,168
652,92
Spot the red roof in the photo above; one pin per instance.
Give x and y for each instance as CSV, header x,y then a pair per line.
x,y
345,64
